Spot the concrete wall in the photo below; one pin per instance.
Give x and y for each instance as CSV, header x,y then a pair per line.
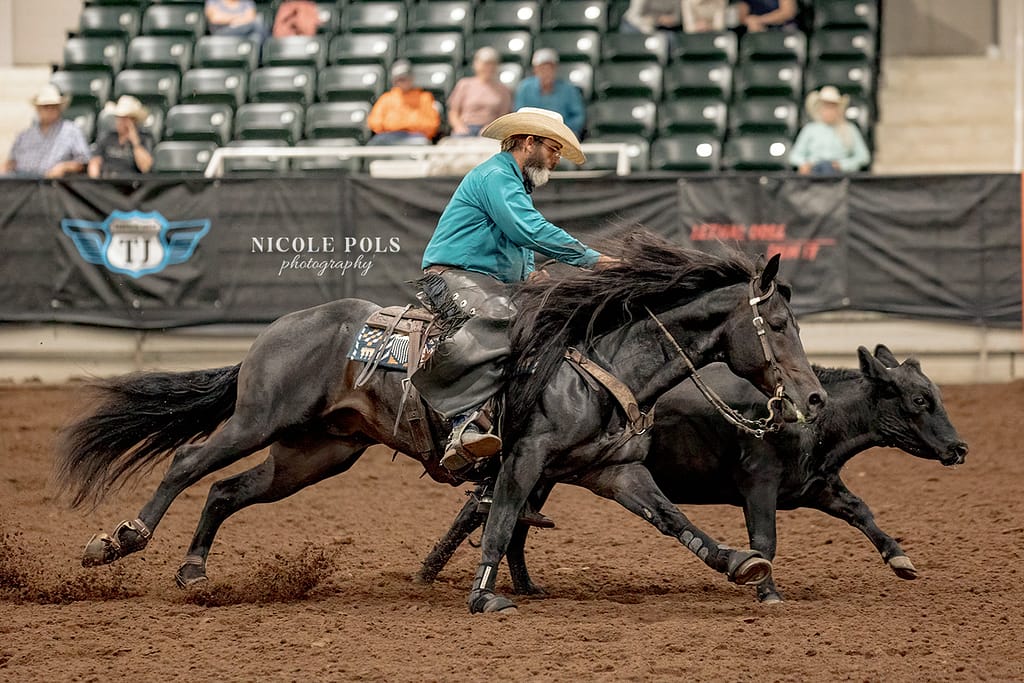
x,y
32,32
918,28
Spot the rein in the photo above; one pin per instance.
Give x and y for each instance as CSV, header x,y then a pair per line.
x,y
756,428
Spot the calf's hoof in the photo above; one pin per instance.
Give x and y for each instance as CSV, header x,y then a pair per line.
x,y
902,567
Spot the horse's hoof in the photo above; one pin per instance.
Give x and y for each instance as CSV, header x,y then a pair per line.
x,y
749,568
903,567
481,602
530,589
771,599
191,573
101,549
424,577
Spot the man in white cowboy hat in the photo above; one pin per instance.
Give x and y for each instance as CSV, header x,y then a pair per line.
x,y
829,144
51,147
127,149
485,241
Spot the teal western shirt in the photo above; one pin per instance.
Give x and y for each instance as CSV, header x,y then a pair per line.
x,y
490,226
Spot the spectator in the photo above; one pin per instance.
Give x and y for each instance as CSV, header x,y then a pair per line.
x,y
405,115
544,90
235,18
700,16
296,18
477,100
829,144
51,147
126,150
648,16
767,15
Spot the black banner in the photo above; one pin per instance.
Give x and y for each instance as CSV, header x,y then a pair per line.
x,y
153,253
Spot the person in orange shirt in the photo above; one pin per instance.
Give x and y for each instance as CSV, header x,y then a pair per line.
x,y
405,115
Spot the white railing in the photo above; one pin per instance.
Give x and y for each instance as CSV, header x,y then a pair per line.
x,y
215,167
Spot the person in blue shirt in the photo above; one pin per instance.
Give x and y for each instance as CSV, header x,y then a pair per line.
x,y
484,242
544,90
829,144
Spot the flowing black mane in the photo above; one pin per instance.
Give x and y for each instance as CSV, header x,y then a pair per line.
x,y
574,309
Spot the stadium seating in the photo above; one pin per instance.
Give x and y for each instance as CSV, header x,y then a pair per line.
x,y
374,17
777,115
571,15
106,122
635,79
571,46
445,16
843,44
269,121
159,52
693,152
514,46
433,48
283,84
94,53
83,87
182,157
331,120
259,165
174,20
706,78
755,79
210,122
329,14
508,16
214,86
351,82
632,115
153,87
580,74
437,78
328,163
225,52
638,152
757,152
119,21
774,45
854,77
83,116
626,47
296,51
846,14
362,48
716,47
705,115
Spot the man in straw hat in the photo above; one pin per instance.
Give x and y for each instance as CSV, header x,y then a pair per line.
x,y
484,241
126,150
829,144
51,147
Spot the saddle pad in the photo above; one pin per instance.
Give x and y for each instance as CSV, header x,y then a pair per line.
x,y
395,348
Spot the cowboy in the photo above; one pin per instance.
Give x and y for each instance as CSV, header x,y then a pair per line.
x,y
484,242
829,144
52,147
127,149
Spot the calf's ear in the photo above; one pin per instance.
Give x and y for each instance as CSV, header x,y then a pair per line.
x,y
883,354
869,365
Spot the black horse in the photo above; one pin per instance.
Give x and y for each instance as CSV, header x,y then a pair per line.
x,y
296,393
696,458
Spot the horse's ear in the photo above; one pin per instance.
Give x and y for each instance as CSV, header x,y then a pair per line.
x,y
870,366
883,354
759,263
771,270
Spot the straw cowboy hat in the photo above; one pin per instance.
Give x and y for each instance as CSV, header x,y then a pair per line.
x,y
129,107
542,123
828,94
49,95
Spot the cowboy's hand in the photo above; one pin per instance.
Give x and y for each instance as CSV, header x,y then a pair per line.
x,y
605,262
133,134
538,275
56,171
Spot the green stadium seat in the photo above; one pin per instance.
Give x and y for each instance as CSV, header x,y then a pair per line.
x,y
182,157
580,74
616,8
159,52
639,154
629,79
511,74
93,53
363,48
632,115
861,111
757,152
154,87
106,122
174,20
338,120
776,115
843,44
687,115
260,165
225,52
628,47
328,163
513,46
711,46
351,82
846,14
774,45
329,14
84,87
448,15
83,116
572,46
508,16
433,48
754,79
374,17
269,121
693,152
852,77
684,79
296,51
437,78
210,122
119,21
283,84
571,15
214,86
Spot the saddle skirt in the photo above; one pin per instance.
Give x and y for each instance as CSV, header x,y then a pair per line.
x,y
393,336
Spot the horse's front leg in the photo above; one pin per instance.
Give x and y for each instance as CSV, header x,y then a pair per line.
x,y
840,502
759,508
632,486
522,584
465,523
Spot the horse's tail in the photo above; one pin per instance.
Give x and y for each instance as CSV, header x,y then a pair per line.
x,y
137,420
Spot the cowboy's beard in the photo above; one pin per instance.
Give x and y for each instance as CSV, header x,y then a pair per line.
x,y
535,169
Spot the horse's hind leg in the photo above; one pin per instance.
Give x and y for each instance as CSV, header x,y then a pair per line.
x,y
240,436
522,584
289,468
465,523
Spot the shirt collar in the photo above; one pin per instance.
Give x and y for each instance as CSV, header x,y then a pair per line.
x,y
511,160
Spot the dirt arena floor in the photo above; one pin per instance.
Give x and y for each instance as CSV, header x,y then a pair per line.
x,y
317,587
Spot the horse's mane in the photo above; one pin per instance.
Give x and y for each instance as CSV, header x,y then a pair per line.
x,y
575,308
835,375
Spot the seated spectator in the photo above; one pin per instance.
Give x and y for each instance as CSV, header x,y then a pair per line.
x,y
296,18
648,16
544,90
767,15
127,150
235,18
477,100
700,16
829,144
52,147
405,115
